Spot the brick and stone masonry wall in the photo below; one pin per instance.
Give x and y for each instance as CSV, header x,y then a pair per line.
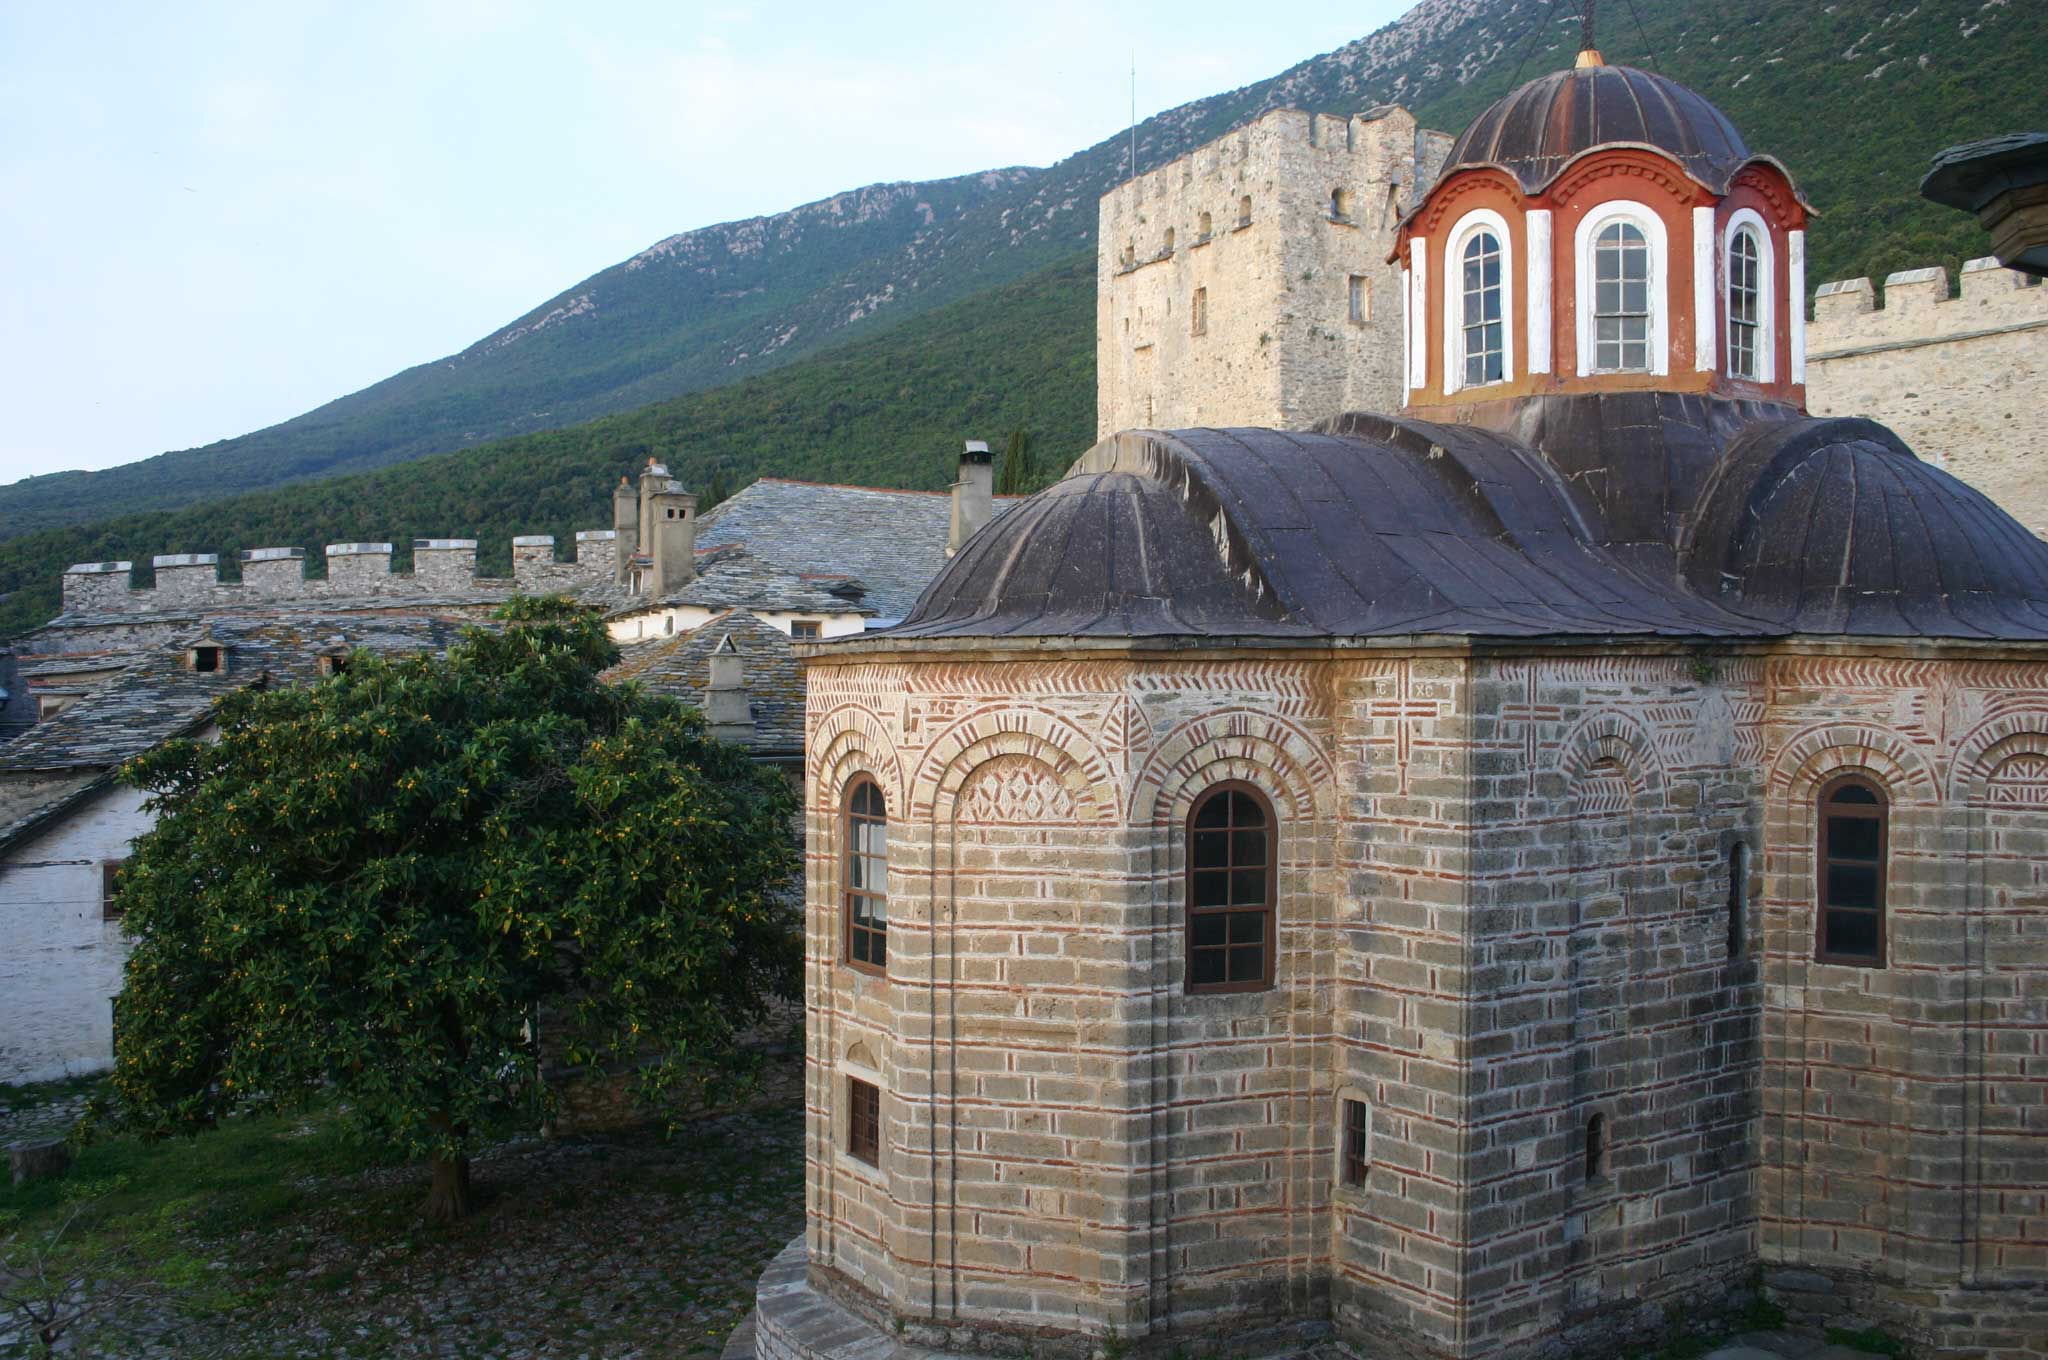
x,y
1275,343
1959,378
1505,903
441,566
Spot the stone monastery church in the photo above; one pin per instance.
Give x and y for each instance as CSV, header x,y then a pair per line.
x,y
1458,877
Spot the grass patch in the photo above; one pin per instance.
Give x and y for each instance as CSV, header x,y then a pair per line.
x,y
38,1095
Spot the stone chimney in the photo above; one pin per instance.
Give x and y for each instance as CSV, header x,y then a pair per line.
x,y
626,524
672,512
652,478
973,494
726,710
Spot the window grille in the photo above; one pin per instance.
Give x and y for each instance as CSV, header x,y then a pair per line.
x,y
1854,824
1621,299
1231,877
866,862
1745,293
1485,354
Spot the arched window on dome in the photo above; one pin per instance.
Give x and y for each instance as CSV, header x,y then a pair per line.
x,y
1751,323
1482,318
1478,302
1621,299
1621,263
1232,859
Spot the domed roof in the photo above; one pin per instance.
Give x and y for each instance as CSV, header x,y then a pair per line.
x,y
1834,526
1664,517
1535,131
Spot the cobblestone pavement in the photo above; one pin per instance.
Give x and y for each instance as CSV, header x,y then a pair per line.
x,y
610,1249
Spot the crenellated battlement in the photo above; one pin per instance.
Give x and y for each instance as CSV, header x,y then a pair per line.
x,y
1958,375
441,567
1918,307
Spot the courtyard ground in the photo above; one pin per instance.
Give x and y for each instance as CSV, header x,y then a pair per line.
x,y
275,1239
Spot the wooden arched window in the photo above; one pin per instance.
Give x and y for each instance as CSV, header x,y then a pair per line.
x,y
1232,875
1849,885
864,859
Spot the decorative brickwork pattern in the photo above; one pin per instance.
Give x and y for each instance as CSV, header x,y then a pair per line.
x,y
1502,912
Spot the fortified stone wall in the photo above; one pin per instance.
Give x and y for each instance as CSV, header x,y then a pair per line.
x,y
1960,378
441,567
1224,278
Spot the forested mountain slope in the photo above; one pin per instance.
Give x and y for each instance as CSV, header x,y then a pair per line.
x,y
1854,96
891,409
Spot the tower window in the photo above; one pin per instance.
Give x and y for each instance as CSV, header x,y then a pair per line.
x,y
1340,204
1198,314
1357,1150
1360,300
865,859
1742,305
864,1121
1231,878
1621,299
1166,246
1484,353
1596,1147
1244,211
1749,302
1202,228
1854,822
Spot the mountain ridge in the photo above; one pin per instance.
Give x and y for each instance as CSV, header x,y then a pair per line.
x,y
667,322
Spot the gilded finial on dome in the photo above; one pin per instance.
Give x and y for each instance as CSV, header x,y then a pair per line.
x,y
1589,51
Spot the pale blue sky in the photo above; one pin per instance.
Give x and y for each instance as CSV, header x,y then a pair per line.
x,y
214,216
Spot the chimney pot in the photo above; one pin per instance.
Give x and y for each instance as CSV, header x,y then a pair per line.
x,y
973,494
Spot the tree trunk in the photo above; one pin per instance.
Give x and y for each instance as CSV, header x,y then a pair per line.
x,y
448,1199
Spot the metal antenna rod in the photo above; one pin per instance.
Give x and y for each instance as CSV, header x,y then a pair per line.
x,y
1586,43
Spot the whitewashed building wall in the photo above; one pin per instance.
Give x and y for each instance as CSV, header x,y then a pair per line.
x,y
59,961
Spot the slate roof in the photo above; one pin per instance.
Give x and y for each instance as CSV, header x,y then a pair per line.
x,y
680,666
893,541
1642,513
160,697
734,576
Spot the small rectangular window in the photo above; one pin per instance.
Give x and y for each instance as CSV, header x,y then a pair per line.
x,y
863,1121
206,659
803,628
110,889
1198,315
1361,301
1357,1141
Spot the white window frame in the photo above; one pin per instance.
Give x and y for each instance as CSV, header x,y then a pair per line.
x,y
1644,219
1766,295
1478,220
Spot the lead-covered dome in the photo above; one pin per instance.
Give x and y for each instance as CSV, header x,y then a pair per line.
x,y
1535,131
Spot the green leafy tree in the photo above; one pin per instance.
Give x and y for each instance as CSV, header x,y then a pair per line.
x,y
375,888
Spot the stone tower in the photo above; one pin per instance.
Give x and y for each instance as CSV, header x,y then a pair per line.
x,y
1247,283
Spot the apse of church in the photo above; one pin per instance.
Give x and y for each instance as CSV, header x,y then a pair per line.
x,y
1455,882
